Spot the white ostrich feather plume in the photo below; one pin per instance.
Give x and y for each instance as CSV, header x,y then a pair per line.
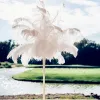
x,y
48,39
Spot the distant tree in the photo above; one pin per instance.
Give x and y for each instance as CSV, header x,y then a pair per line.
x,y
89,53
54,61
5,48
69,58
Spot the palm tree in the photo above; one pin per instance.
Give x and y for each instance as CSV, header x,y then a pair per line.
x,y
47,39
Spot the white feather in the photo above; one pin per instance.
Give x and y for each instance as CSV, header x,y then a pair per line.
x,y
49,38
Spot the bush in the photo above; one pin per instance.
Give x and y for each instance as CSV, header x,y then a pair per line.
x,y
5,65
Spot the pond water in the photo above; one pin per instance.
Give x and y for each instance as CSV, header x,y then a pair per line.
x,y
9,86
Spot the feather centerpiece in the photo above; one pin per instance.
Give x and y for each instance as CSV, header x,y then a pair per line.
x,y
48,39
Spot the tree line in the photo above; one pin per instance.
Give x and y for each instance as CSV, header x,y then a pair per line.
x,y
88,54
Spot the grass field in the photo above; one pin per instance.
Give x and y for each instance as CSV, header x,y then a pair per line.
x,y
71,75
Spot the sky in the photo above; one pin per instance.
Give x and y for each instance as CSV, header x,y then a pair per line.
x,y
81,14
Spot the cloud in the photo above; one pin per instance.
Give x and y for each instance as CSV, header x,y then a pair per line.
x,y
93,11
83,2
87,19
94,37
10,11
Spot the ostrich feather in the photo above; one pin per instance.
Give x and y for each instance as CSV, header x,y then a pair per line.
x,y
20,26
50,39
42,9
27,32
58,28
59,57
18,51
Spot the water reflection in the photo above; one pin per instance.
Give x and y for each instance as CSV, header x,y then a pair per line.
x,y
8,86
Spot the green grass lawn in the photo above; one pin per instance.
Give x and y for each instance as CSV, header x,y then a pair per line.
x,y
71,75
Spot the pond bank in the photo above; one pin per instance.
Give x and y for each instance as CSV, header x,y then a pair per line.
x,y
53,96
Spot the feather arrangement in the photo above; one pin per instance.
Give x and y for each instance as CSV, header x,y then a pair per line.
x,y
48,39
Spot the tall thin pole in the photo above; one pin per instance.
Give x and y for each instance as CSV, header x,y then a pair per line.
x,y
44,78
